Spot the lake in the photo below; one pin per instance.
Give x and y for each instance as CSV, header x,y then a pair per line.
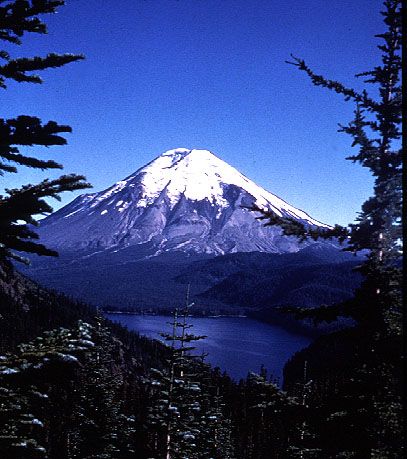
x,y
234,344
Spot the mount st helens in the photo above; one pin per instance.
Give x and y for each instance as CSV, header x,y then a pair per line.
x,y
184,200
182,219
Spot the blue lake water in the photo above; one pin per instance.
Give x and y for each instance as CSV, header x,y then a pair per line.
x,y
234,344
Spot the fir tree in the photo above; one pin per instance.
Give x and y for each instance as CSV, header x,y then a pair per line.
x,y
269,418
215,439
368,396
176,417
101,428
36,393
20,205
302,442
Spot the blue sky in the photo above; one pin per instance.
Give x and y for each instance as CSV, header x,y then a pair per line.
x,y
162,74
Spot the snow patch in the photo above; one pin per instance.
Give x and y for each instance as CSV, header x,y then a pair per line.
x,y
8,371
118,186
124,206
73,213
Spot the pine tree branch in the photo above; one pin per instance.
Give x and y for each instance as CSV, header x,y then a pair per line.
x,y
27,161
20,16
16,69
319,80
292,227
28,131
21,205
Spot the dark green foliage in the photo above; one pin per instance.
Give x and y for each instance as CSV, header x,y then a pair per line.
x,y
350,406
27,310
28,131
101,429
266,420
18,17
21,16
28,382
355,409
22,204
174,417
19,206
375,130
16,69
100,404
63,395
186,419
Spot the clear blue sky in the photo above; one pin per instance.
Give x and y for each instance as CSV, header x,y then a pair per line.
x,y
161,74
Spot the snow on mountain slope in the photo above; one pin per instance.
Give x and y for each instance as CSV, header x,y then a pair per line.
x,y
184,200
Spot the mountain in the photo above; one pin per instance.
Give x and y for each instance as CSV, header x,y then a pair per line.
x,y
179,221
184,200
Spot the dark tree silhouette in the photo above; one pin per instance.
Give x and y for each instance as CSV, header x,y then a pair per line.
x,y
376,131
368,398
19,206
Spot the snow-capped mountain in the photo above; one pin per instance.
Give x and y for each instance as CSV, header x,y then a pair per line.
x,y
184,200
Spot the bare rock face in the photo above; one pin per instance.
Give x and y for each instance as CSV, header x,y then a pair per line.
x,y
184,200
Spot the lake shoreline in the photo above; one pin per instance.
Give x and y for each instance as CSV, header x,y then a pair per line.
x,y
234,345
201,316
287,323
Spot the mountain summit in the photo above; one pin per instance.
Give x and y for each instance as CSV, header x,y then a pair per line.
x,y
184,200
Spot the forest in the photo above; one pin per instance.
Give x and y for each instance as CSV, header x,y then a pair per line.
x,y
75,385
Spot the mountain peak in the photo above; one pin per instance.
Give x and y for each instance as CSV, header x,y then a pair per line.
x,y
184,198
177,152
183,152
196,174
174,156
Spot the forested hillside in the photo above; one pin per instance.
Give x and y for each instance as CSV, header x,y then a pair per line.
x,y
73,384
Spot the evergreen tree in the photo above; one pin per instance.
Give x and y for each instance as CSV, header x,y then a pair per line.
x,y
365,397
186,417
267,418
101,428
215,427
19,205
302,442
36,394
